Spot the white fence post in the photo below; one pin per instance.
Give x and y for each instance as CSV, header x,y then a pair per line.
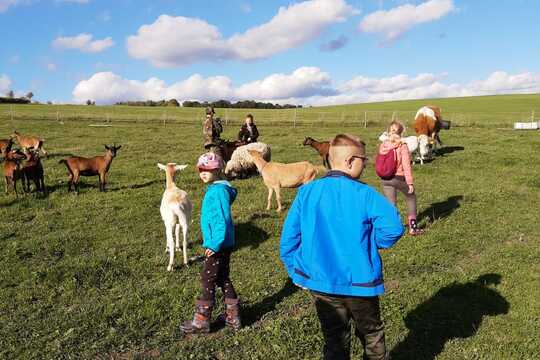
x,y
365,119
294,118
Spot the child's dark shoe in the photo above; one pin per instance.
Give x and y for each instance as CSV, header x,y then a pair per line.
x,y
231,317
414,230
201,319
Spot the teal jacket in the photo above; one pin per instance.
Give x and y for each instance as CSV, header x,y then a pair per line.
x,y
216,220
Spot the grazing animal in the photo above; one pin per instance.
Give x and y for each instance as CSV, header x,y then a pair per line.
x,y
277,175
97,165
428,122
29,142
5,146
175,211
241,164
322,148
33,171
12,169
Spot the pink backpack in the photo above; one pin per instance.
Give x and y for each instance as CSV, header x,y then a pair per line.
x,y
386,165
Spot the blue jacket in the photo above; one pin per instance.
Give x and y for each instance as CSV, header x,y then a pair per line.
x,y
332,234
216,221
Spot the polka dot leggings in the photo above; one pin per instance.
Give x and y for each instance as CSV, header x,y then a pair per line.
x,y
216,272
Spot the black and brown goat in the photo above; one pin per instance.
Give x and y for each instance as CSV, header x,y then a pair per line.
x,y
97,165
322,148
12,169
32,170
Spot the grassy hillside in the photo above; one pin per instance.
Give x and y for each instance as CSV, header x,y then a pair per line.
x,y
85,276
483,111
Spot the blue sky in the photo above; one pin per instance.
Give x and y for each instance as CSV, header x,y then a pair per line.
x,y
309,52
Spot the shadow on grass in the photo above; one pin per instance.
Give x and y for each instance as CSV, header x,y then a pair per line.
x,y
136,186
441,209
455,311
250,235
448,150
58,155
255,312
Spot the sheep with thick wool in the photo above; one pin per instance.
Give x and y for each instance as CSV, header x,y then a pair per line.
x,y
241,164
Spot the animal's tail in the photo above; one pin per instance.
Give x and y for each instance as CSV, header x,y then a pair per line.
x,y
63,161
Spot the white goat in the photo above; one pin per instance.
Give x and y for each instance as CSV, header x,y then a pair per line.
x,y
241,163
175,211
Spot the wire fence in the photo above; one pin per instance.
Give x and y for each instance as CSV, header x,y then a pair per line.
x,y
286,117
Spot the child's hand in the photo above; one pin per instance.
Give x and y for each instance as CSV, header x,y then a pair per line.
x,y
208,252
411,189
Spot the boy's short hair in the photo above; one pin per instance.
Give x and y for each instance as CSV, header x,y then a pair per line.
x,y
249,116
348,140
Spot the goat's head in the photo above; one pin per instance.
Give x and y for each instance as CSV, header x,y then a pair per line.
x,y
171,168
14,135
112,149
307,141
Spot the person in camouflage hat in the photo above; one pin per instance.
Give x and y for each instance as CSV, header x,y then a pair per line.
x,y
212,129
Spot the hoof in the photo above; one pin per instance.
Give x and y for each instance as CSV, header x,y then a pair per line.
x,y
170,268
178,249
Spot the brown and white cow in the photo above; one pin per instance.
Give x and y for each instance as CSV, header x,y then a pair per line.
x,y
427,124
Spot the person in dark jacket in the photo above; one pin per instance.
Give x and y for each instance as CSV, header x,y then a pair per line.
x,y
330,245
218,240
248,132
212,129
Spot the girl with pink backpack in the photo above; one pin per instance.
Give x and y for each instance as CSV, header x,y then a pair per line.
x,y
393,166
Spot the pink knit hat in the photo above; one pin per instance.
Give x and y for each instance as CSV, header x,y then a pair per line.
x,y
209,161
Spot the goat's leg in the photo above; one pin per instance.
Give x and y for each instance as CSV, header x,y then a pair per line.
x,y
170,245
7,184
268,204
101,180
70,181
76,178
278,198
15,187
177,237
185,240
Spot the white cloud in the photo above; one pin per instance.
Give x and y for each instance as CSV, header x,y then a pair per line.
x,y
245,7
83,42
303,82
305,85
177,41
107,87
5,84
51,67
395,22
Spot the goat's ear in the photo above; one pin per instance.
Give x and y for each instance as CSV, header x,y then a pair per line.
x,y
180,167
161,166
106,147
118,147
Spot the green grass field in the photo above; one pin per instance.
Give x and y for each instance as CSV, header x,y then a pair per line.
x,y
85,276
480,111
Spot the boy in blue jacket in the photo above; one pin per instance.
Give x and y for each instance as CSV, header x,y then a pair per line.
x,y
330,243
218,240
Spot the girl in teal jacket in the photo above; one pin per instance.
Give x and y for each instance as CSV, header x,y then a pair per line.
x,y
218,240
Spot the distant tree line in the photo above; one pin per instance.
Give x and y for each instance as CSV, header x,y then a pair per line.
x,y
245,104
172,102
14,100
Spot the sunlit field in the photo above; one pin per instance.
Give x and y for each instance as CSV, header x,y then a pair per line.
x,y
85,276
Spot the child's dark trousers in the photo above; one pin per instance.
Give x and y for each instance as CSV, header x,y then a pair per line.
x,y
216,272
335,314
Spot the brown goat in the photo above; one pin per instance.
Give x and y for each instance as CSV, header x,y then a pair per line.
x,y
277,175
322,148
33,171
12,169
5,146
29,141
97,165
